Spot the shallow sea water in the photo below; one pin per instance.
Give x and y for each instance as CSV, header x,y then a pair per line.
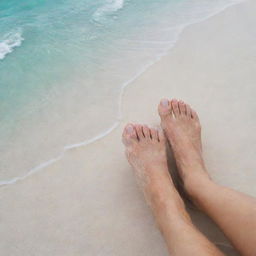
x,y
64,66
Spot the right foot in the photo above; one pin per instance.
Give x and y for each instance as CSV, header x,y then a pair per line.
x,y
182,128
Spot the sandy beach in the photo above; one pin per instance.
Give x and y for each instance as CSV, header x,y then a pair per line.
x,y
88,203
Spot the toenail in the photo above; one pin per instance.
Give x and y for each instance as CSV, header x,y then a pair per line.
x,y
129,129
164,102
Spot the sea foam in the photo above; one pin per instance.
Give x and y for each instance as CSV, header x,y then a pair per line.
x,y
110,7
9,42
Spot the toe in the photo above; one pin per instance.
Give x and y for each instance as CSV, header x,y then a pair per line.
x,y
188,111
139,131
154,134
164,109
194,115
129,135
182,108
175,107
161,136
146,131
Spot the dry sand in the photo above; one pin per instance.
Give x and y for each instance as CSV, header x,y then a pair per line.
x,y
88,202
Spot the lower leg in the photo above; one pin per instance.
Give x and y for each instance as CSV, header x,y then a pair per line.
x,y
234,212
145,149
181,236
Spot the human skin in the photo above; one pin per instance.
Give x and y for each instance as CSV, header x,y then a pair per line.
x,y
234,212
146,152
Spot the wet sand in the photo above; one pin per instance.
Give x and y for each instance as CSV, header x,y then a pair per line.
x,y
88,203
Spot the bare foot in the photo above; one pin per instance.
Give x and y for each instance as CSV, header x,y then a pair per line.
x,y
183,130
146,152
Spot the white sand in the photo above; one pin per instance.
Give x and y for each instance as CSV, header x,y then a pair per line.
x,y
88,203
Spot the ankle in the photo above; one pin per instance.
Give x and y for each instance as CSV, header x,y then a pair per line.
x,y
163,196
196,182
169,209
161,187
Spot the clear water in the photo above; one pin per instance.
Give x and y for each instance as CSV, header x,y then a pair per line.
x,y
63,65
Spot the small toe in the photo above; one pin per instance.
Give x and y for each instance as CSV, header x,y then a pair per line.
x,y
146,131
129,135
164,109
139,131
182,108
154,134
175,107
194,115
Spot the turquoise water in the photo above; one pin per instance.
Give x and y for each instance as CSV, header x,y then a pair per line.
x,y
64,63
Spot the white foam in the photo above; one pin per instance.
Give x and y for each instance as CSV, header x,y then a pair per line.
x,y
58,157
110,7
9,42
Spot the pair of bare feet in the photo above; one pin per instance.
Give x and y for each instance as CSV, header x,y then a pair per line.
x,y
232,211
146,150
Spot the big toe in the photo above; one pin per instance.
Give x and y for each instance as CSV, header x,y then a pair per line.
x,y
129,135
164,109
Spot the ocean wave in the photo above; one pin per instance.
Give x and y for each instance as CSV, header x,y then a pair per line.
x,y
9,42
110,7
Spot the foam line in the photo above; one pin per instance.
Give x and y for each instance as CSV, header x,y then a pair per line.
x,y
98,137
32,171
53,160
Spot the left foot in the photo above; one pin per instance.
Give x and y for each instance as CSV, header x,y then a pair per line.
x,y
146,152
183,131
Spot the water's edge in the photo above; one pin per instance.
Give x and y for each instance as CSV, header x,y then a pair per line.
x,y
4,183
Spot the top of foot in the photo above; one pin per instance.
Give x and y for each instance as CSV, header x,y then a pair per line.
x,y
145,148
183,131
146,152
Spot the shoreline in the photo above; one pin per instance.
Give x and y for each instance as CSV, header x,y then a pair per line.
x,y
89,201
119,118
